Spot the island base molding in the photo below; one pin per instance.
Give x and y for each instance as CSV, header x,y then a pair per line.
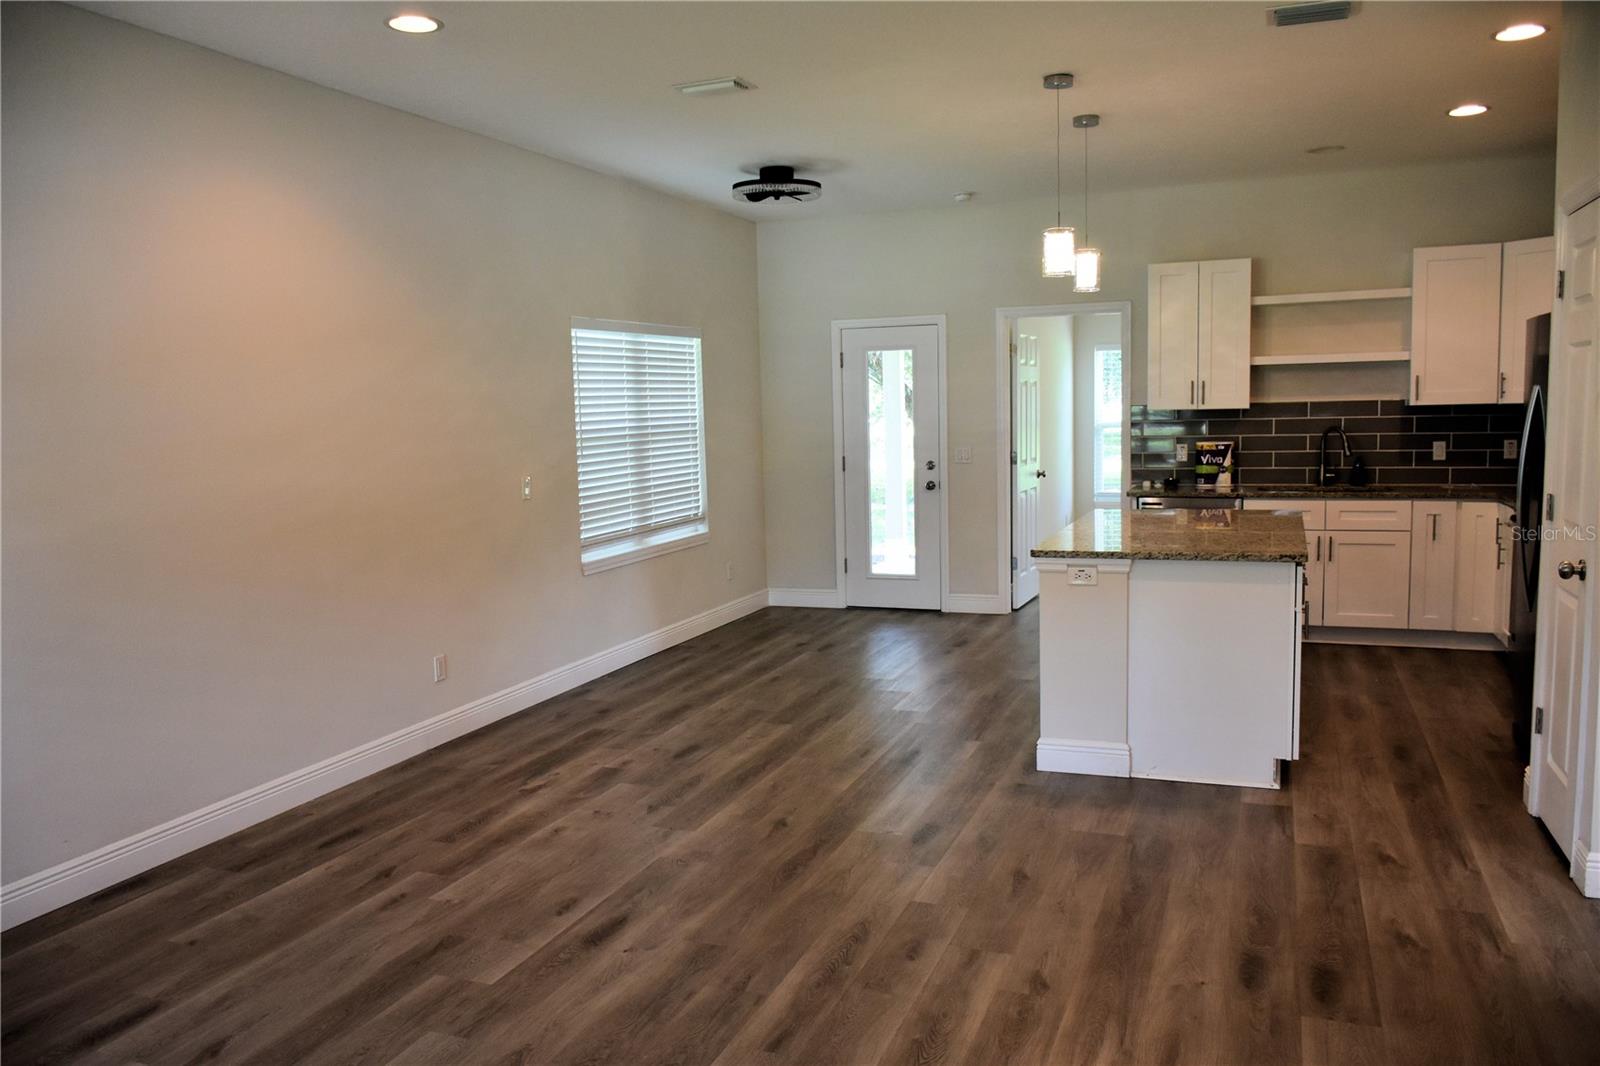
x,y
1097,757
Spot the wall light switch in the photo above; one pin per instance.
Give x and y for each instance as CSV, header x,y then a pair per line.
x,y
1439,451
1183,452
527,487
964,454
1509,450
1083,575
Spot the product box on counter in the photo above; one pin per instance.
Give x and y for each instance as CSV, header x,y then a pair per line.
x,y
1213,467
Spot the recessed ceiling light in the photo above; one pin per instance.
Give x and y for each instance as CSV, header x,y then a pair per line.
x,y
1522,31
414,24
1467,110
1324,149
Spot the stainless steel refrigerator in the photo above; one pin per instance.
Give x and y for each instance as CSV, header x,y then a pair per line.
x,y
1527,524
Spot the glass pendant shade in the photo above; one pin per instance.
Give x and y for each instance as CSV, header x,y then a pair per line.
x,y
1088,266
1060,252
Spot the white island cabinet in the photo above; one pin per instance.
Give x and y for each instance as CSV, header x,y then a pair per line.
x,y
1170,645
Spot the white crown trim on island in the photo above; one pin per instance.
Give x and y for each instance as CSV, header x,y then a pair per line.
x,y
76,878
1098,757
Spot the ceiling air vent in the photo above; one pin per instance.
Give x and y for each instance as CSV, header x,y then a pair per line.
x,y
1302,14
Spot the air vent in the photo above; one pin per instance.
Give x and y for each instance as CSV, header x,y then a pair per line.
x,y
1302,14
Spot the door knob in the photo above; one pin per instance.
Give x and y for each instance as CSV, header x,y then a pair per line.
x,y
930,486
1039,473
1567,570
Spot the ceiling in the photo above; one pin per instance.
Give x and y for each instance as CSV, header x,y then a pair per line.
x,y
898,105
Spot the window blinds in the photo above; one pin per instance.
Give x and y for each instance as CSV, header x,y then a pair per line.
x,y
641,441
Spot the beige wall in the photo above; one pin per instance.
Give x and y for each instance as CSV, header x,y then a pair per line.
x,y
1341,230
275,362
1578,104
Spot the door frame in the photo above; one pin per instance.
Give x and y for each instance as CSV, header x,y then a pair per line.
x,y
836,365
1005,319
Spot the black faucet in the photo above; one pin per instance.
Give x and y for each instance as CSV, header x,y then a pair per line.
x,y
1324,475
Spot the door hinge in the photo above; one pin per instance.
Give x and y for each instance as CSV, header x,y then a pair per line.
x,y
842,459
1538,719
1013,458
847,564
1561,284
1013,564
841,360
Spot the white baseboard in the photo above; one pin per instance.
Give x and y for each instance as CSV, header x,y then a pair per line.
x,y
1586,869
805,598
977,603
76,878
1403,638
1084,757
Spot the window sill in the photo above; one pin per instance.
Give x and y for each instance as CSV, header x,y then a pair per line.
x,y
622,552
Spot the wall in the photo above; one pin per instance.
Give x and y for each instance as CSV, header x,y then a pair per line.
x,y
276,361
1347,229
1578,99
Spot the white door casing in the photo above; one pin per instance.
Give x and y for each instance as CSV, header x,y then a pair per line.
x,y
1564,688
893,466
1026,468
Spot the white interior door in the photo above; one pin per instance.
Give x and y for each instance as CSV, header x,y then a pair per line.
x,y
1564,638
1026,466
893,531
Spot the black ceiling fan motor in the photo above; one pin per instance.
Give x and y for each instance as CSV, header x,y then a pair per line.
x,y
776,183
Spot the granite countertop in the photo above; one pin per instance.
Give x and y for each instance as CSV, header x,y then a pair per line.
x,y
1193,533
1487,493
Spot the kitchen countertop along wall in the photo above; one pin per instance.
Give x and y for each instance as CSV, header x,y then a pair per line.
x,y
1277,442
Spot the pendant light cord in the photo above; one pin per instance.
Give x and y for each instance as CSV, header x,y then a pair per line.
x,y
1085,185
1058,158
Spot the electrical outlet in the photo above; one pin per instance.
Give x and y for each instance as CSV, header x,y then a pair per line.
x,y
964,454
730,571
1083,575
441,668
1509,451
1440,450
527,486
1183,452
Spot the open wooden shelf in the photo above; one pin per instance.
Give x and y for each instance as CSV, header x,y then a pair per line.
x,y
1332,357
1347,296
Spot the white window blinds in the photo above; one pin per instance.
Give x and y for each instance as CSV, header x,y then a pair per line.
x,y
641,441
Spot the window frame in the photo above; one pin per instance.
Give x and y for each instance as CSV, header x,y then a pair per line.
x,y
1096,451
635,545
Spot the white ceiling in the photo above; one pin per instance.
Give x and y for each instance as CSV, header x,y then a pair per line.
x,y
896,105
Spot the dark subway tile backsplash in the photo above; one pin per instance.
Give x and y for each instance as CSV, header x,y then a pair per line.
x,y
1276,443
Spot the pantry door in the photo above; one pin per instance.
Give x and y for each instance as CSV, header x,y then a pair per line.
x,y
893,481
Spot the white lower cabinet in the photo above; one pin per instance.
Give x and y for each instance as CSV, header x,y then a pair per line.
x,y
1482,606
1367,579
1315,549
1503,562
1433,565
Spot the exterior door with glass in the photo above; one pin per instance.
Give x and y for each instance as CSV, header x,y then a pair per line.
x,y
892,476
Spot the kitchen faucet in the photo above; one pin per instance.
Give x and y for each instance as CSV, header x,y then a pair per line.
x,y
1324,475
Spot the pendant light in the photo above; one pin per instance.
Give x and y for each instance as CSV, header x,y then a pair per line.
x,y
1059,240
1088,259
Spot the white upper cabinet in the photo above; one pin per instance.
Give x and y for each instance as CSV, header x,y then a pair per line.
x,y
1455,324
1174,335
1199,334
1528,288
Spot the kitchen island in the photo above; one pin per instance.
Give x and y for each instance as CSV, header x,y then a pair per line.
x,y
1169,645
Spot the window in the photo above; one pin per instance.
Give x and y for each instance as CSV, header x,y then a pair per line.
x,y
641,441
1108,421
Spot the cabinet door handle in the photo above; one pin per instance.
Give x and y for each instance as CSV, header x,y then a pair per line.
x,y
1191,390
1319,547
1202,391
1417,394
1433,533
1330,547
1502,384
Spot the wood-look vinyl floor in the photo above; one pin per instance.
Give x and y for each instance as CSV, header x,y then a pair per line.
x,y
816,837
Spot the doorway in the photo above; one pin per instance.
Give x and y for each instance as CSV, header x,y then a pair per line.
x,y
890,484
1064,425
